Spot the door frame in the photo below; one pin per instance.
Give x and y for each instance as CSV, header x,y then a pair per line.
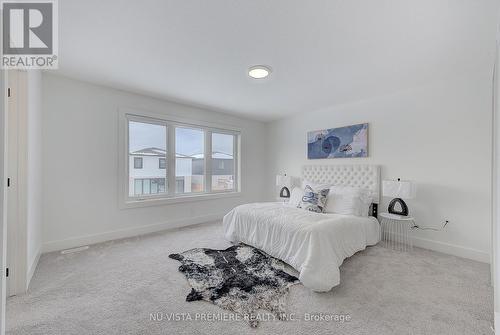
x,y
495,194
3,196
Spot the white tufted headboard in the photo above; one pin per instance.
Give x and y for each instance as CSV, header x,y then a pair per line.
x,y
365,176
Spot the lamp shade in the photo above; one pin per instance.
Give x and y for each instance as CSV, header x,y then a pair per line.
x,y
398,189
283,180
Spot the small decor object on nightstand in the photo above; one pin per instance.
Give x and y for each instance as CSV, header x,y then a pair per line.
x,y
399,190
395,229
284,182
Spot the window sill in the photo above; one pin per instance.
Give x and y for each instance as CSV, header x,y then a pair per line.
x,y
178,199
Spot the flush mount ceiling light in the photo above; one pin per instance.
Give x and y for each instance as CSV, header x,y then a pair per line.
x,y
259,71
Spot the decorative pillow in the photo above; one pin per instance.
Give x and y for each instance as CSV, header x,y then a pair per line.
x,y
315,186
348,200
314,201
295,197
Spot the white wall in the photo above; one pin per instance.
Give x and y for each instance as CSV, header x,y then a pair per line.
x,y
80,150
438,135
34,170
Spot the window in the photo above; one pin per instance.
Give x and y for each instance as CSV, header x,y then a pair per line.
x,y
149,186
190,159
169,159
137,162
162,163
222,162
147,140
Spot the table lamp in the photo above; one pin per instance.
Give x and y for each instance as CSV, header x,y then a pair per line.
x,y
398,190
284,182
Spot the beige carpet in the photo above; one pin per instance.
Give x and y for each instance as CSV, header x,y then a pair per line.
x,y
113,287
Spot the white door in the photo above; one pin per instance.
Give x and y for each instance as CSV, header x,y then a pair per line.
x,y
12,182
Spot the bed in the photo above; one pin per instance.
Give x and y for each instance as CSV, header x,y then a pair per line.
x,y
315,244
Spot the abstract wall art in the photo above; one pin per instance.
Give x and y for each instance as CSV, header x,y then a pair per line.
x,y
343,142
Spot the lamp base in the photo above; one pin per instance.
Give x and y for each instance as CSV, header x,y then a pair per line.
x,y
404,207
285,192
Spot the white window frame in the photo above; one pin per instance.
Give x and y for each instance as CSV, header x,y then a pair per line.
x,y
170,122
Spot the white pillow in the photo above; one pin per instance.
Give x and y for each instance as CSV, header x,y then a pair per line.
x,y
349,201
295,197
347,204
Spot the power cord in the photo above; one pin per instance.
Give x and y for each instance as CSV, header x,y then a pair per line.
x,y
430,228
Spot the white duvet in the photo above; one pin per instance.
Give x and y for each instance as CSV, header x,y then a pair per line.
x,y
314,244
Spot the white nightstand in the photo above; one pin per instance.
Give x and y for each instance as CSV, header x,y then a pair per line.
x,y
395,231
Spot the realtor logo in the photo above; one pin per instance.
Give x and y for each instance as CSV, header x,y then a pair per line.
x,y
29,39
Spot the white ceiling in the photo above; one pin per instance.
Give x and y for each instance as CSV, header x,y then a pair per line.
x,y
322,52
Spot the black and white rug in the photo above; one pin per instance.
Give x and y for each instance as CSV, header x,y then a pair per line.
x,y
240,278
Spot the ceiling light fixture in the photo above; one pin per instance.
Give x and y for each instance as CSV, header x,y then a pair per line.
x,y
259,71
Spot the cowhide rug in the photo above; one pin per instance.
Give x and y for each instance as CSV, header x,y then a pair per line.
x,y
240,278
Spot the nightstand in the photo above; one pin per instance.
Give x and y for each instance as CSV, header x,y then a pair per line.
x,y
395,231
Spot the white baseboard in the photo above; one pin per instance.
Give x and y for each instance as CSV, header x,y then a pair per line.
x,y
32,268
452,249
497,322
127,232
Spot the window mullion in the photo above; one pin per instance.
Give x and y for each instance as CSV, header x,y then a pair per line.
x,y
171,159
126,161
236,162
208,161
